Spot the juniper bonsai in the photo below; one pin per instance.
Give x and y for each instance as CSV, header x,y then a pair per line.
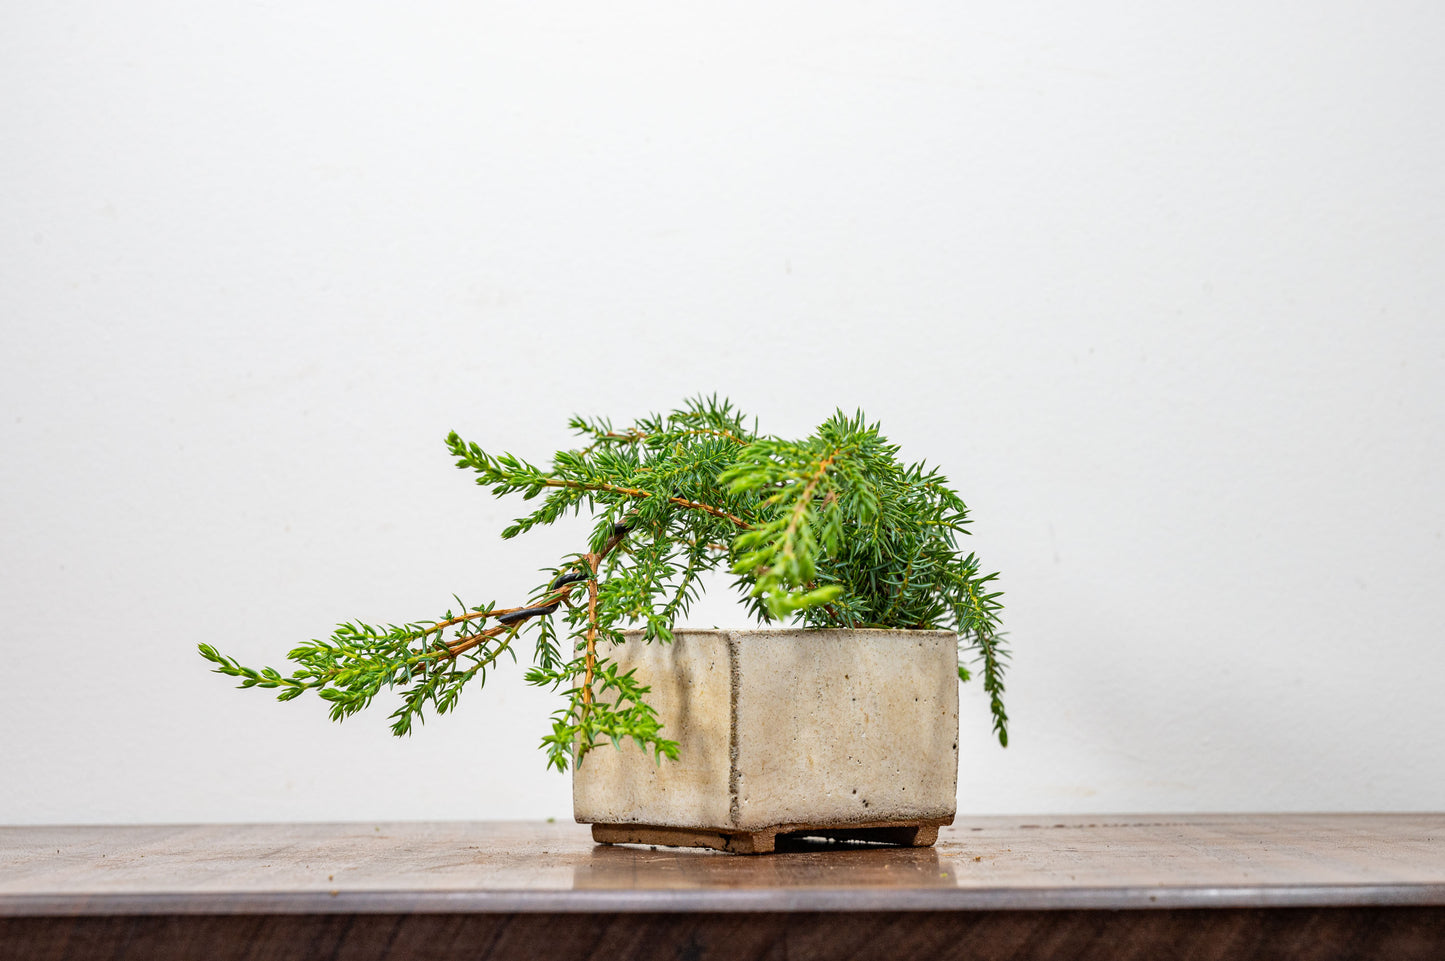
x,y
829,531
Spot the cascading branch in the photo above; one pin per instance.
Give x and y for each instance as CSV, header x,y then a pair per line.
x,y
829,531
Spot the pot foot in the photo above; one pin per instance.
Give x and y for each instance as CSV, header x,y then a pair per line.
x,y
916,834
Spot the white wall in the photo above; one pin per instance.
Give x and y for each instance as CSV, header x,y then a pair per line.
x,y
1161,287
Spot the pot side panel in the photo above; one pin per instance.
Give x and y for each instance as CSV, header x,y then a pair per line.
x,y
691,692
839,727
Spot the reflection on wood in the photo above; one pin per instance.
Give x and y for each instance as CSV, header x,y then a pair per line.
x,y
856,866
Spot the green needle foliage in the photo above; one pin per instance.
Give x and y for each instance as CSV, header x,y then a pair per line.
x,y
829,531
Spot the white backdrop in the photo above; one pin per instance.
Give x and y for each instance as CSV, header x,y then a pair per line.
x,y
1162,288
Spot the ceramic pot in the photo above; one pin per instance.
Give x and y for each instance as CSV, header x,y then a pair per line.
x,y
848,734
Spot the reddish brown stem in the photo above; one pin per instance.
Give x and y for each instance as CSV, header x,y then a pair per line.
x,y
592,561
639,492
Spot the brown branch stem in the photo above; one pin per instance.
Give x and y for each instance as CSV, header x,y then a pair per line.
x,y
592,561
639,493
804,500
633,436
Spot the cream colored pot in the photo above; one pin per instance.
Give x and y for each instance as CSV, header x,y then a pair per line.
x,y
850,734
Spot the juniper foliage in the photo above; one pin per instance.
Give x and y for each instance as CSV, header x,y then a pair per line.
x,y
829,531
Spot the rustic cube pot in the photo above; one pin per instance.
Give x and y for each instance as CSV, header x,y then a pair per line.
x,y
848,734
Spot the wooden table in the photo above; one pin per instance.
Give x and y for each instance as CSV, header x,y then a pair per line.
x,y
1235,886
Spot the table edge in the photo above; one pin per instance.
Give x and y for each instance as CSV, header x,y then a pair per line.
x,y
760,901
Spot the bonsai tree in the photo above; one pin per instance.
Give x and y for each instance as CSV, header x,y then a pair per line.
x,y
831,531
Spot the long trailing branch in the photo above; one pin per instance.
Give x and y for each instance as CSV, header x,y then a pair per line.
x,y
385,659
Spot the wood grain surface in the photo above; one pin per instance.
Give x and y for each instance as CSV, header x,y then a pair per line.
x,y
978,863
1229,886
